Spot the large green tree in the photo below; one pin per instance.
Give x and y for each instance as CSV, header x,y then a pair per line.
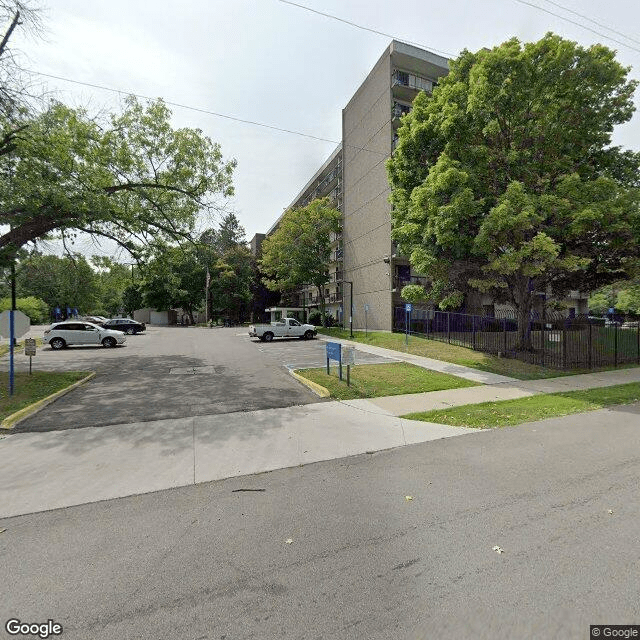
x,y
176,277
231,286
232,269
299,251
131,178
113,278
504,180
229,234
69,281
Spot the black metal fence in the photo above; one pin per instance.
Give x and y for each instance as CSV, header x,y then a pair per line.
x,y
579,342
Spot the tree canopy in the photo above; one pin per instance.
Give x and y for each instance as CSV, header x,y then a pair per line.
x,y
131,177
176,276
299,251
69,281
504,180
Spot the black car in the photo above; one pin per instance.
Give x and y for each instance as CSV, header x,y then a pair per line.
x,y
126,325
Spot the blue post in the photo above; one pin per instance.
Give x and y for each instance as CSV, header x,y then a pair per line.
x,y
11,341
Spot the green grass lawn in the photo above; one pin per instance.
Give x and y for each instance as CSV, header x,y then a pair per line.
x,y
375,380
455,354
31,388
549,405
19,348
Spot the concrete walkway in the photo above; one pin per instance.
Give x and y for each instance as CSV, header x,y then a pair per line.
x,y
414,402
41,471
54,469
483,377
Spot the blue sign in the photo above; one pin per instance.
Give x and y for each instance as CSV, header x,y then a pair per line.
x,y
408,307
333,351
611,310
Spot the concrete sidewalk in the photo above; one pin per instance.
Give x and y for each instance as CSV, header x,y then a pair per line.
x,y
54,469
415,402
483,377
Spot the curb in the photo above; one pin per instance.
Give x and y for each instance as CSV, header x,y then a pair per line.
x,y
16,418
315,387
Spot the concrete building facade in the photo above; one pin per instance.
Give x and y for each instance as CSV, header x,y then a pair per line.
x,y
369,123
365,264
354,178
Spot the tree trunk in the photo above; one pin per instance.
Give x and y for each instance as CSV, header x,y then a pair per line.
x,y
524,334
322,305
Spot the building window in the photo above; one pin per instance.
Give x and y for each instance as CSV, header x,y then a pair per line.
x,y
402,77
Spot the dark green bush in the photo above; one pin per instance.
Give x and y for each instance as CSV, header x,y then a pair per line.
x,y
36,309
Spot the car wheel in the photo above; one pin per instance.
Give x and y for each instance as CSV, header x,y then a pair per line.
x,y
308,335
109,342
268,336
58,343
129,331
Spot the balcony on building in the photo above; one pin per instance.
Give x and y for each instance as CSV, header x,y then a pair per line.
x,y
403,277
397,111
406,85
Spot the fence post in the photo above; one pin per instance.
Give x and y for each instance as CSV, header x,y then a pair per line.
x,y
542,337
590,345
504,333
615,343
638,340
449,327
473,329
564,345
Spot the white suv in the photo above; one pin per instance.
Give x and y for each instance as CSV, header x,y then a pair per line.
x,y
62,334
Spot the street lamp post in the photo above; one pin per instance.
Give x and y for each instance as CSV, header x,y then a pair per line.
x,y
350,282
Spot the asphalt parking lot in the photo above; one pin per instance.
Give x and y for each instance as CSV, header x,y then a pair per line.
x,y
301,354
175,372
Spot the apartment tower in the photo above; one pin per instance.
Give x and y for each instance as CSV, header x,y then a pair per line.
x,y
354,178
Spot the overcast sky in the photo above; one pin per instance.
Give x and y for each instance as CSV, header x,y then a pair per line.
x,y
267,61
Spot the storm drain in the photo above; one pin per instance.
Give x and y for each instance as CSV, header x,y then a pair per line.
x,y
193,371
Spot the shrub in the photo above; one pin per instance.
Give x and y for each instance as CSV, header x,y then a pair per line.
x,y
35,308
315,318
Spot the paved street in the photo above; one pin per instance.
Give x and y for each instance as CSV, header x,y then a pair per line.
x,y
211,562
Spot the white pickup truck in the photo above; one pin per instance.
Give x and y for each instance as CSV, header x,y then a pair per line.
x,y
285,328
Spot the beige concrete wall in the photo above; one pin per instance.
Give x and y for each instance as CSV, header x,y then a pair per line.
x,y
366,138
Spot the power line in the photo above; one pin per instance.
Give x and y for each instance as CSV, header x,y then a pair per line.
x,y
557,15
359,26
199,110
599,24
